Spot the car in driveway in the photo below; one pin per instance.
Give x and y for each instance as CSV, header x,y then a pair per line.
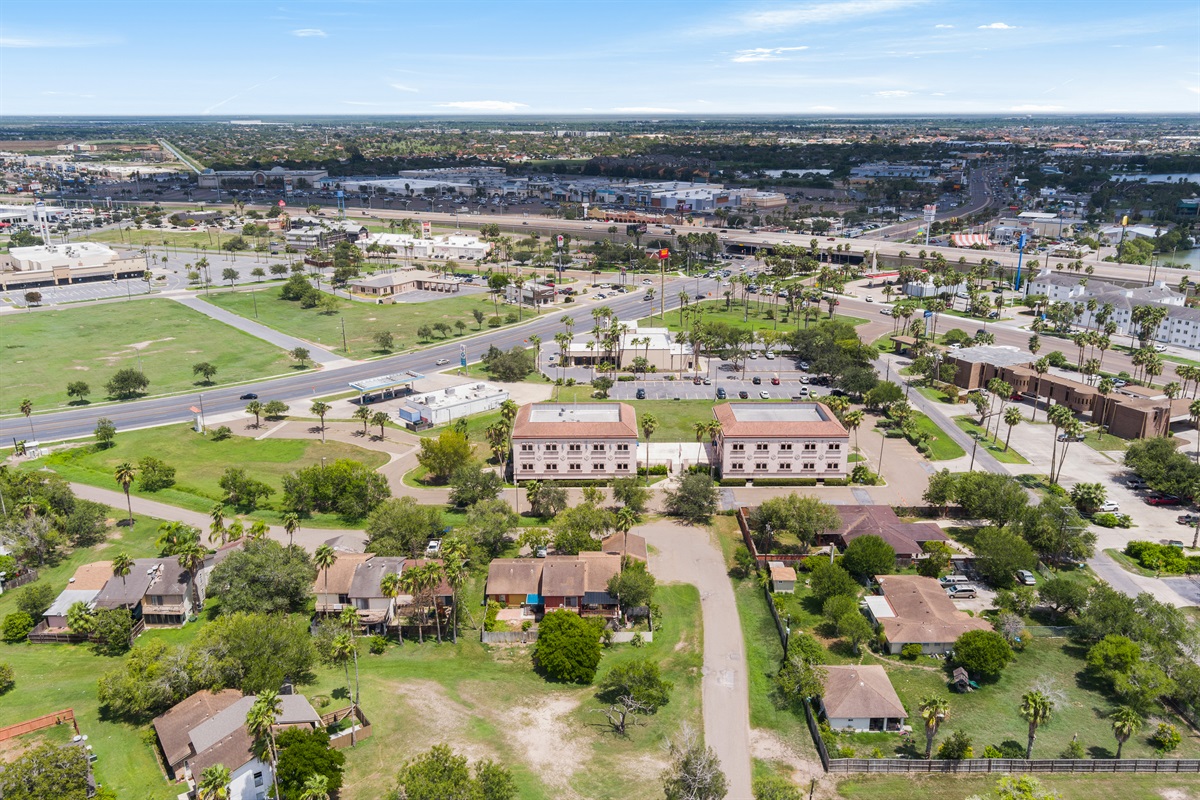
x,y
1025,578
1160,499
962,591
434,547
1188,519
249,396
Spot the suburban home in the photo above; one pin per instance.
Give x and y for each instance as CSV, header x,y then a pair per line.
x,y
574,440
906,538
82,587
781,440
861,699
406,607
538,585
626,545
170,597
332,585
783,577
916,610
355,580
210,728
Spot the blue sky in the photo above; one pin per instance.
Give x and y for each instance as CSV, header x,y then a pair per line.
x,y
626,57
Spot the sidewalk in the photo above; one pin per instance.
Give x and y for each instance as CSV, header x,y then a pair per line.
x,y
321,356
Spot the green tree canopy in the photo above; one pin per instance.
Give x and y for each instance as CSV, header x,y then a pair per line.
x,y
867,556
264,577
982,653
568,648
402,527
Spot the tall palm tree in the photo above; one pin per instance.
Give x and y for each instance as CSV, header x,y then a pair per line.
x,y
324,558
649,426
258,530
191,557
344,649
214,783
291,523
260,722
381,419
320,409
316,787
216,530
256,408
122,564
363,414
1012,416
1036,709
934,711
27,410
853,419
124,474
412,583
432,575
1125,723
626,518
454,564
391,586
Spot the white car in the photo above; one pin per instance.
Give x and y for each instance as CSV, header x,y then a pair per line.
x,y
765,395
870,299
753,355
647,282
1108,508
770,356
442,361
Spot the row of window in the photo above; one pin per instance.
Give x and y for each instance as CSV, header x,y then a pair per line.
x,y
576,467
573,448
783,466
785,447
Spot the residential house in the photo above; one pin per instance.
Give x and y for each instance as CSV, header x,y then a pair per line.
x,y
626,545
355,580
538,585
574,440
170,598
860,698
82,587
516,583
917,610
773,440
366,593
129,591
209,728
906,538
332,585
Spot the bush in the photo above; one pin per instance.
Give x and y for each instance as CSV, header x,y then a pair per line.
x,y
568,647
35,599
1162,558
836,482
982,653
494,322
911,651
1073,750
221,434
16,627
862,474
1166,738
776,481
490,623
1110,520
957,747
377,645
655,469
7,680
625,378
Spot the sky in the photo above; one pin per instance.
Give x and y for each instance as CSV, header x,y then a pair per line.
x,y
633,58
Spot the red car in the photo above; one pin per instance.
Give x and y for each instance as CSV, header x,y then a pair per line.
x,y
774,381
1162,500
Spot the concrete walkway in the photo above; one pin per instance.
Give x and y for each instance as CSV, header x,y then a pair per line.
x,y
320,356
689,555
308,538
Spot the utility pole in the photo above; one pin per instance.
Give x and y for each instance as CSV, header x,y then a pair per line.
x,y
344,346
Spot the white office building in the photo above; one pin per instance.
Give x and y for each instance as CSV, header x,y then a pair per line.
x,y
443,406
451,246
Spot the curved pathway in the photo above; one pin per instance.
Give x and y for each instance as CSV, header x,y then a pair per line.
x,y
689,555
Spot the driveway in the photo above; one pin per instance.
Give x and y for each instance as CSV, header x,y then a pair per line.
x,y
689,555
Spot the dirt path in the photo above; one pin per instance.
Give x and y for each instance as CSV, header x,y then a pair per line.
x,y
689,555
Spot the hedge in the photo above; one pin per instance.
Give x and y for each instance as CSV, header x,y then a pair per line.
x,y
655,469
578,483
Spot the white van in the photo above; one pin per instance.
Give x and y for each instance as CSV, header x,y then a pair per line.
x,y
948,580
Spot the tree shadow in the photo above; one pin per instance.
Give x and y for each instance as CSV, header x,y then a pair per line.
x,y
80,402
1098,752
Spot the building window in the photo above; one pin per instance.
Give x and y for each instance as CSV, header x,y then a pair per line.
x,y
785,465
622,467
551,448
738,448
832,466
574,448
156,600
835,446
760,466
571,602
762,447
526,448
526,467
622,448
736,466
810,466
258,779
598,448
597,467
786,447
810,447
574,467
552,468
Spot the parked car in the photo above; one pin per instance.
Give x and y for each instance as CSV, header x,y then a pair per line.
x,y
1159,499
756,380
1108,508
1188,519
697,380
948,580
775,381
770,356
541,551
434,547
1070,437
743,395
765,395
1025,577
641,394
721,395
961,592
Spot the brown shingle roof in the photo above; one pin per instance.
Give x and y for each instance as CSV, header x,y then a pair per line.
x,y
514,575
626,544
782,572
904,537
341,573
828,426
625,428
174,726
599,568
924,613
564,577
232,751
91,576
858,692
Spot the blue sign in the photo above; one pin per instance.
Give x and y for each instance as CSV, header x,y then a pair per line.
x,y
928,314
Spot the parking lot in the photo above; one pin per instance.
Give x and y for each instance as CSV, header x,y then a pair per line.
x,y
80,292
426,296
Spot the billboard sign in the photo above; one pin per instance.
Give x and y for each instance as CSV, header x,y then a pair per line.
x,y
426,229
560,241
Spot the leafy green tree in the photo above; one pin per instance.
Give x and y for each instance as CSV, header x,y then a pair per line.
x,y
264,576
1056,532
105,432
1111,656
16,627
300,355
828,580
241,490
304,753
471,483
385,341
999,553
999,499
154,475
855,629
568,648
35,599
936,561
957,747
441,456
126,383
580,528
942,489
57,771
695,500
633,585
205,370
836,606
546,500
638,679
442,775
982,653
402,527
111,629
1063,595
275,409
869,555
491,521
804,516
694,772
631,494
252,652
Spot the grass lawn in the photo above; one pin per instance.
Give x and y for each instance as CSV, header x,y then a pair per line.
x,y
155,239
1127,563
161,336
714,311
52,677
199,463
937,395
1009,456
363,320
1108,442
1069,787
941,446
420,695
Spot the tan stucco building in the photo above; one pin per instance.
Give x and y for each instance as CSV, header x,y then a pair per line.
x,y
581,441
781,440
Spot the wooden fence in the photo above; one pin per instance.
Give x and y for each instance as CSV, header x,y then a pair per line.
x,y
779,626
36,724
41,634
508,637
1002,765
27,577
341,739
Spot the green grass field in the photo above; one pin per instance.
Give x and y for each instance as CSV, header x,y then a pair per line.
x,y
44,351
1009,456
199,462
1068,787
941,446
155,238
714,311
363,320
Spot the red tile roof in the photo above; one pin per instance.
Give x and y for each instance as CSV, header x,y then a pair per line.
x,y
731,428
625,428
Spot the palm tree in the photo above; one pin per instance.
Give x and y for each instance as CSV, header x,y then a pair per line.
x,y
316,787
27,410
260,722
1012,416
191,557
1125,723
216,530
381,419
214,783
122,564
1036,709
324,558
626,518
410,581
256,408
343,649
934,710
852,419
454,564
124,474
258,530
320,409
432,575
649,426
291,523
362,413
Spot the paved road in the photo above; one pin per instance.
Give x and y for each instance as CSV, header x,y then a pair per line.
x,y
258,330
689,555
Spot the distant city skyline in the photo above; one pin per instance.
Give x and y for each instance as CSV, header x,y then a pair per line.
x,y
645,59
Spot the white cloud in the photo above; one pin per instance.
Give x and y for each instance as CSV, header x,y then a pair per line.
x,y
400,87
998,26
1193,89
305,33
763,54
895,93
807,14
483,105
1033,107
31,42
943,26
646,110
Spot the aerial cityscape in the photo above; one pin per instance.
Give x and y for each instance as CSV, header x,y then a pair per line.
x,y
467,401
